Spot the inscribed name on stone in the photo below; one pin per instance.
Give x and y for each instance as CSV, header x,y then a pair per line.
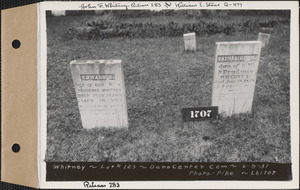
x,y
100,91
264,39
189,41
234,80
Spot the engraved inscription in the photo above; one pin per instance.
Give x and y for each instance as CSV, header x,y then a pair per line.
x,y
235,76
100,94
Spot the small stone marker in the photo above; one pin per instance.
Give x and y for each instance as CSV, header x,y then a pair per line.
x,y
189,41
99,12
100,91
264,39
58,12
235,76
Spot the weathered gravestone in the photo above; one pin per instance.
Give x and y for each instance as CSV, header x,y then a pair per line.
x,y
99,12
264,39
234,80
100,91
189,41
58,12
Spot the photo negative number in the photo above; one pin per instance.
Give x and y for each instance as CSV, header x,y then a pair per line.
x,y
202,113
199,113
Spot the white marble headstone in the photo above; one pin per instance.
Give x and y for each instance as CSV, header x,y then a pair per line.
x,y
58,12
264,39
189,41
235,68
100,91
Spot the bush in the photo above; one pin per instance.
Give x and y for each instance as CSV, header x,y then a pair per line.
x,y
110,28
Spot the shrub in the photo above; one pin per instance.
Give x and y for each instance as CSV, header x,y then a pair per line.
x,y
109,28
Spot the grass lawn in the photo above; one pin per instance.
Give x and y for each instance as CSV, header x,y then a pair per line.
x,y
160,79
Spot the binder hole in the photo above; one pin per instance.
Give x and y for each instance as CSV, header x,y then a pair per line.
x,y
16,44
16,148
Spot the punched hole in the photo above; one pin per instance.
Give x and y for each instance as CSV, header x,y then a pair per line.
x,y
15,148
16,44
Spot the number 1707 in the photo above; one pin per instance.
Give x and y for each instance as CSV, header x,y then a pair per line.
x,y
202,113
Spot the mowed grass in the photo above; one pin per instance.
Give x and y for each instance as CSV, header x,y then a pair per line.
x,y
161,79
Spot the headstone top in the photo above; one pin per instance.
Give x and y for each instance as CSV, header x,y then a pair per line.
x,y
238,47
58,12
95,61
189,34
238,42
264,34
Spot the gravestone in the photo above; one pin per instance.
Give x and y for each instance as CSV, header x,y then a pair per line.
x,y
99,12
189,41
58,12
234,80
264,39
100,91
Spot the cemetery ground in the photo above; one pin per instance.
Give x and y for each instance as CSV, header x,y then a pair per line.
x,y
161,79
